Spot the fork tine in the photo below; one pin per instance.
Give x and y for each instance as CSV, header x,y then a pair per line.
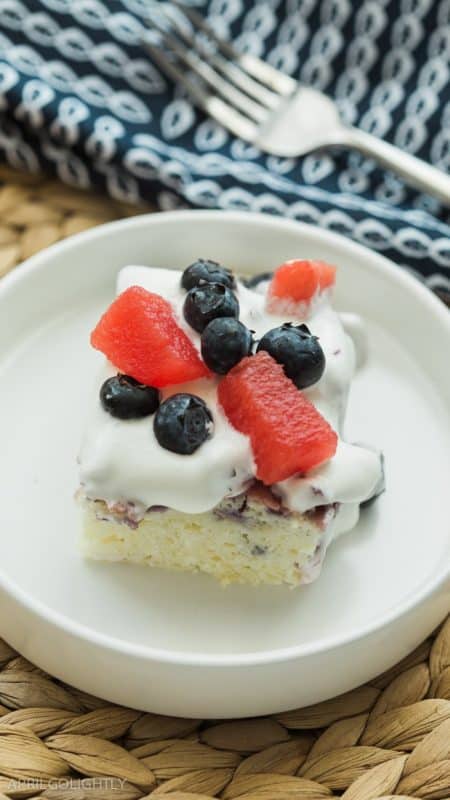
x,y
236,74
232,72
224,90
215,107
263,72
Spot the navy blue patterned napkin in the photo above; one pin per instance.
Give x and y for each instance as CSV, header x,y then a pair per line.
x,y
80,99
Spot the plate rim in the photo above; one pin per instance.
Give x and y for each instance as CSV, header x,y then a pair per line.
x,y
374,261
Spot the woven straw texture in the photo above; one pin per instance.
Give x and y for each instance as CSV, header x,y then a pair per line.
x,y
36,212
388,739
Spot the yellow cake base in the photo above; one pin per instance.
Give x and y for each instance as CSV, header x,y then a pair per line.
x,y
261,547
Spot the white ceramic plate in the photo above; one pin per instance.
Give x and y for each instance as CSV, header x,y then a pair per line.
x,y
180,644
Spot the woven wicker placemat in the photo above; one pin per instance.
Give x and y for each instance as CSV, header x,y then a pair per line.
x,y
35,212
388,739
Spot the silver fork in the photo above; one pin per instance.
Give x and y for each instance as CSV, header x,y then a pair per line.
x,y
264,106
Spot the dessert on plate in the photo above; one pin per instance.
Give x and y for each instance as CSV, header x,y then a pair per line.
x,y
214,441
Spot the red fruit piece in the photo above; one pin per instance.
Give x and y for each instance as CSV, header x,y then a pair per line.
x,y
287,433
327,274
299,280
140,336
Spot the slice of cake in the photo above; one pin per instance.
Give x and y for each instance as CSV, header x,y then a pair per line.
x,y
214,438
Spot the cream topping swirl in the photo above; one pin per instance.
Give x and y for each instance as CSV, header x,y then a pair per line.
x,y
121,461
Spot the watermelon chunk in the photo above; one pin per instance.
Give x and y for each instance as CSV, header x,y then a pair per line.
x,y
327,274
287,433
140,336
299,280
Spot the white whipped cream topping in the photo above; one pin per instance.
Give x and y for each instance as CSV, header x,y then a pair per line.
x,y
344,479
354,326
121,461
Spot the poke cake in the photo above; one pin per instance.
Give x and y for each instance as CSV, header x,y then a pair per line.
x,y
214,442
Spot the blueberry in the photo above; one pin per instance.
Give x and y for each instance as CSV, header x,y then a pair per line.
x,y
125,398
298,351
255,280
225,341
208,301
182,423
208,272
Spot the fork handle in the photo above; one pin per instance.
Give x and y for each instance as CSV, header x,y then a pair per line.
x,y
414,171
